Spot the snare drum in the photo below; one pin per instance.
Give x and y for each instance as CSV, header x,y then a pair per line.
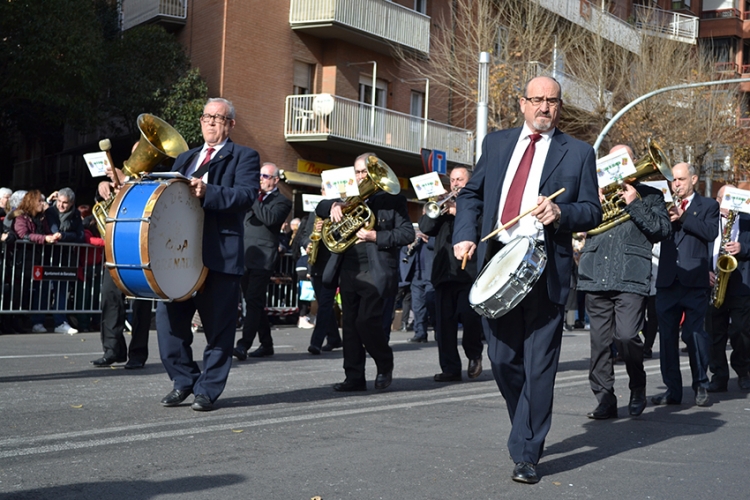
x,y
154,240
507,278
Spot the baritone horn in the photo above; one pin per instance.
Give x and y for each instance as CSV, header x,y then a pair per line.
x,y
159,142
338,236
653,162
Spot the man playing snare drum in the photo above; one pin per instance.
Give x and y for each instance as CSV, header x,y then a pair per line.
x,y
225,177
524,344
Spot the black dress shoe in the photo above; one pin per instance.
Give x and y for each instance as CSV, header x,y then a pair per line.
x,y
202,403
313,350
331,347
134,365
417,339
350,386
701,396
664,399
475,368
716,387
105,361
525,472
383,380
261,352
175,397
447,377
603,412
637,402
240,353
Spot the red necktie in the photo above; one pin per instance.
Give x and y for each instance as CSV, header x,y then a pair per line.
x,y
513,203
207,159
684,204
261,195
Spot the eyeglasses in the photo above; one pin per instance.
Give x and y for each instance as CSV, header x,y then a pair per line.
x,y
537,101
266,176
218,118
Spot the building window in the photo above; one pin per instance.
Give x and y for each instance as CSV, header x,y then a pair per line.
x,y
416,107
303,73
420,6
365,91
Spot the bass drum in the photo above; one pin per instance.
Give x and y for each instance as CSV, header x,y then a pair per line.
x,y
507,278
154,240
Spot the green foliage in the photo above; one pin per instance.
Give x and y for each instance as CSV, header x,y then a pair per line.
x,y
141,65
182,105
50,55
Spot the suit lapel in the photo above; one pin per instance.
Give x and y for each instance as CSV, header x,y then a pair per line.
x,y
557,149
500,162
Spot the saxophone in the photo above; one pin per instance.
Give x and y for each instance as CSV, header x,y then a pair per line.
x,y
312,250
725,264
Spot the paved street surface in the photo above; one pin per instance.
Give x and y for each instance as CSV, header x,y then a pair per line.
x,y
72,431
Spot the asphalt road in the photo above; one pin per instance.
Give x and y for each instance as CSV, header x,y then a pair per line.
x,y
72,431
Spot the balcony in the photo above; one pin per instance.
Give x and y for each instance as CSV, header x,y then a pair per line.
x,y
168,12
672,25
596,20
375,24
324,118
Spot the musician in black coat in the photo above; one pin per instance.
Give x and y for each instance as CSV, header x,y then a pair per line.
x,y
224,177
524,344
452,285
368,273
732,319
262,228
682,287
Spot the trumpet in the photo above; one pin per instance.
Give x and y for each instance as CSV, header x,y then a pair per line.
x,y
434,209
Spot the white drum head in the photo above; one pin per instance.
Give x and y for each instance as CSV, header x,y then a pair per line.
x,y
175,240
498,271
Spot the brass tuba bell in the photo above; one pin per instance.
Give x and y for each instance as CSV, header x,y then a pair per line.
x,y
159,141
612,207
338,236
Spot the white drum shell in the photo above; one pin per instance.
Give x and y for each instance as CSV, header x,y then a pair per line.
x,y
507,278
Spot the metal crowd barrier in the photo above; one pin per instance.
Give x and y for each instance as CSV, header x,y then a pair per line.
x,y
66,278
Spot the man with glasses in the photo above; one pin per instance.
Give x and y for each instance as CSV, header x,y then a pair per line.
x,y
518,169
262,226
224,177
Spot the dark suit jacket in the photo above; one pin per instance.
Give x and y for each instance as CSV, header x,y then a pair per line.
x,y
739,280
685,254
445,266
233,184
394,230
571,164
262,227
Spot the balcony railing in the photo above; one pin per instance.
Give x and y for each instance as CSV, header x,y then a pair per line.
x,y
380,19
136,12
590,16
720,14
673,25
306,120
726,67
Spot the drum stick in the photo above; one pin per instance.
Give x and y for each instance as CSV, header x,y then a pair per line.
x,y
463,262
519,217
105,145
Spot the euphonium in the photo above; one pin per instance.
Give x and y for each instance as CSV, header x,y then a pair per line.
x,y
725,263
653,162
338,236
159,141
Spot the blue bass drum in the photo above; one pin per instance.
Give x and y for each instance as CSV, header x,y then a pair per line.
x,y
154,240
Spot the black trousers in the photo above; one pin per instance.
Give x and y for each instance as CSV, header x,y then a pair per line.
x,y
651,328
113,324
671,303
325,321
255,286
452,306
618,317
524,347
736,309
362,309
